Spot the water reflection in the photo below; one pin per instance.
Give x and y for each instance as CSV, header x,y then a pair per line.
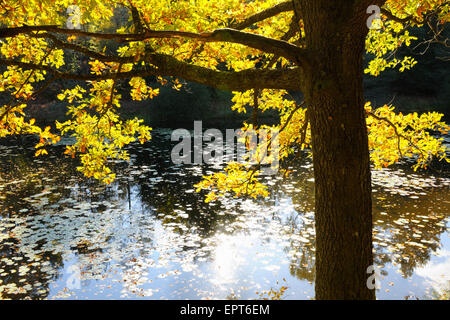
x,y
150,235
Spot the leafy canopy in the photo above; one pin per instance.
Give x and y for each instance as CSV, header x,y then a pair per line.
x,y
248,47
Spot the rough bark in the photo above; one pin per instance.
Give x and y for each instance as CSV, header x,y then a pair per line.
x,y
334,94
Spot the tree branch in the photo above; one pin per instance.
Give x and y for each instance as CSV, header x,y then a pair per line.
x,y
265,44
393,126
288,79
279,47
28,99
263,15
165,65
393,17
87,52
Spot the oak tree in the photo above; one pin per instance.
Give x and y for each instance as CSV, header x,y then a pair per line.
x,y
258,49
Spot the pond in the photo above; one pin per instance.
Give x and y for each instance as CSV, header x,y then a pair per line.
x,y
150,235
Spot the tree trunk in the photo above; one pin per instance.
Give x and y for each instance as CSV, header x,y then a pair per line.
x,y
334,94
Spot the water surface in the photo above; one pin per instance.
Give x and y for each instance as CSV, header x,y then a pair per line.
x,y
150,235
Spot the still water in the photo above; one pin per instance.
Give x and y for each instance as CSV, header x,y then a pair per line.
x,y
150,235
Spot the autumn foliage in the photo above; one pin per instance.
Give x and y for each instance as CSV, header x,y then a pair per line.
x,y
170,39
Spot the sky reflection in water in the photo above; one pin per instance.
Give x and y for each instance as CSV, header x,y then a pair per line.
x,y
150,235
